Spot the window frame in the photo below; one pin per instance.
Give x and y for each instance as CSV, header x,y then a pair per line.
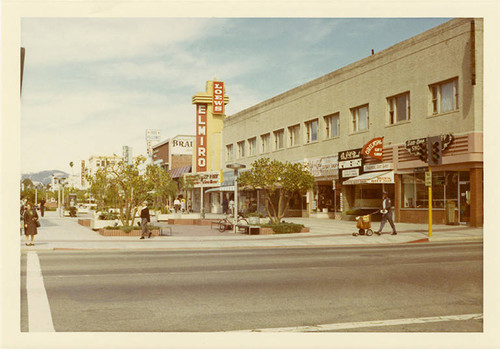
x,y
265,139
436,96
309,131
355,118
252,150
329,125
229,151
294,137
392,109
241,149
281,132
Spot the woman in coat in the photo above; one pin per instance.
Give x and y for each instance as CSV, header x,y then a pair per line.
x,y
30,220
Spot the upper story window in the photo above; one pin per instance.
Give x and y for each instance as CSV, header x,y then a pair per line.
x,y
332,125
444,96
312,131
229,152
279,139
265,143
360,118
241,149
398,108
252,146
294,132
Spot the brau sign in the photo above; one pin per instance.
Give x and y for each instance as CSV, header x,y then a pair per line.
x,y
201,137
218,97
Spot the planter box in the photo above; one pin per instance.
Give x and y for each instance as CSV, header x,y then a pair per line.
x,y
269,231
85,222
117,232
101,223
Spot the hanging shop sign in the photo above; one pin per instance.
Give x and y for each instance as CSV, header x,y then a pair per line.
x,y
326,166
218,97
350,163
374,148
418,146
201,137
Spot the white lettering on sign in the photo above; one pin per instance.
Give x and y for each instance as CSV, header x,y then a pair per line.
x,y
218,97
350,163
350,173
201,137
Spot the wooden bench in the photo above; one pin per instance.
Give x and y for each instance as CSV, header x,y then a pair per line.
x,y
249,229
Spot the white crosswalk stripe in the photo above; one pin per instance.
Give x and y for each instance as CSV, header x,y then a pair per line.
x,y
39,315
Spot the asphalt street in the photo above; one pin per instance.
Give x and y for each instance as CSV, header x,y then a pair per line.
x,y
259,289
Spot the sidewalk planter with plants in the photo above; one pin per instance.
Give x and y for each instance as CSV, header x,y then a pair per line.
x,y
128,231
104,219
283,228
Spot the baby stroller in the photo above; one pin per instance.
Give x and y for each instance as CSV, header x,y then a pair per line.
x,y
364,225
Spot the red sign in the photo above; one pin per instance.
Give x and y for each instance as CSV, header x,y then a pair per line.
x,y
218,97
201,137
374,148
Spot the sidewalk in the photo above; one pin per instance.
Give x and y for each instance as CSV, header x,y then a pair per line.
x,y
64,233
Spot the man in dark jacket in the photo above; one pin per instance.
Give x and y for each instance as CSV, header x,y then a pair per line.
x,y
386,214
145,219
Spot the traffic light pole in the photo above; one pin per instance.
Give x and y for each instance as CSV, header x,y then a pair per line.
x,y
430,206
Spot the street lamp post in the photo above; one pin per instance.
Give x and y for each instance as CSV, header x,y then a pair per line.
x,y
235,167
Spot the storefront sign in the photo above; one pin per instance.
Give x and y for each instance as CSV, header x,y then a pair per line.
x,y
201,137
379,167
218,97
326,166
350,173
83,173
210,179
374,148
350,163
182,145
418,147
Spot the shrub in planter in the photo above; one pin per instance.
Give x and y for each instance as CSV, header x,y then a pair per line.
x,y
284,228
129,228
108,216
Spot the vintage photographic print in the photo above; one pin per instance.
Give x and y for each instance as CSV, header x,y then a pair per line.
x,y
248,176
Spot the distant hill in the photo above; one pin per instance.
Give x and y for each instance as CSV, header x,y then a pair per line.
x,y
44,177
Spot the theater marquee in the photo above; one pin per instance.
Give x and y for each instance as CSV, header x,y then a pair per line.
x,y
218,97
201,137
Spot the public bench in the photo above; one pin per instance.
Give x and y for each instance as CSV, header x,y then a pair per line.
x,y
249,229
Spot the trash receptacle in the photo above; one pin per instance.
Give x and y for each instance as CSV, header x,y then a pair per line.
x,y
450,212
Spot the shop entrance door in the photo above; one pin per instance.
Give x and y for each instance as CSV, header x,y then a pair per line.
x,y
464,202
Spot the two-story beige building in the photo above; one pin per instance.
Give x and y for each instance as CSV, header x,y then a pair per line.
x,y
428,86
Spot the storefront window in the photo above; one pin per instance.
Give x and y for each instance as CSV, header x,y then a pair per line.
x,y
444,187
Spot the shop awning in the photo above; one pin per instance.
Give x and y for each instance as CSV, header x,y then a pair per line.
x,y
385,177
228,188
177,172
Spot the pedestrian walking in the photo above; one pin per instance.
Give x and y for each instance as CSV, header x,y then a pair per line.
x,y
177,205
225,205
145,219
231,206
386,214
42,207
30,224
183,205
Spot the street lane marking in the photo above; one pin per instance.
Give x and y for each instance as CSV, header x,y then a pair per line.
x,y
378,323
39,315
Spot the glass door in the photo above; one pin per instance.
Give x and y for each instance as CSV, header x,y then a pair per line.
x,y
464,202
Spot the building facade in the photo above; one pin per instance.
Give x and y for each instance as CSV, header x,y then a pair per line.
x,y
430,85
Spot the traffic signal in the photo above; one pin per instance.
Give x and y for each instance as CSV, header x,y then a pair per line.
x,y
422,151
434,150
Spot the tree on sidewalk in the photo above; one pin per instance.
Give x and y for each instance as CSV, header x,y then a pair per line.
x,y
128,186
279,181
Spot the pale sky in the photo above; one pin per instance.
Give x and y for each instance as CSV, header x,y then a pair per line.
x,y
93,85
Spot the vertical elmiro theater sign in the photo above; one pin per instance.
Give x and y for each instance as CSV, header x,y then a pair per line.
x,y
201,137
218,97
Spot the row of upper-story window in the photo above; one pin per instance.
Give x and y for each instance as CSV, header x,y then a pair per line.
x,y
443,97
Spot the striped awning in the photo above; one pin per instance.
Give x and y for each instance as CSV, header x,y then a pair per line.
x,y
179,171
